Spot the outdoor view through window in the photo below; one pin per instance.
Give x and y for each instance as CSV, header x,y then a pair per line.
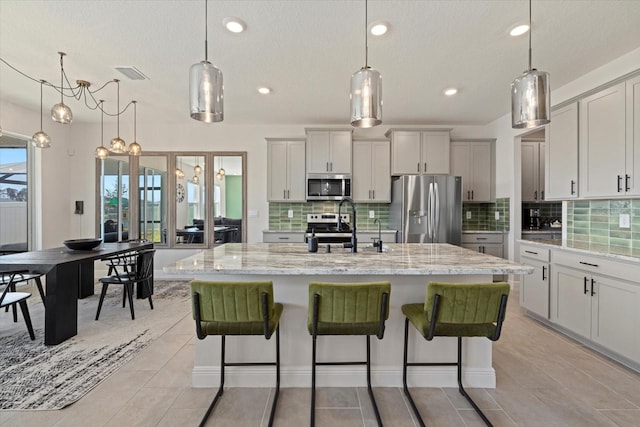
x,y
13,195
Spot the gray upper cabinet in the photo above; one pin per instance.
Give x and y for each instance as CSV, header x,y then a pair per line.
x,y
561,154
603,144
632,177
285,170
329,151
474,162
371,171
419,151
533,171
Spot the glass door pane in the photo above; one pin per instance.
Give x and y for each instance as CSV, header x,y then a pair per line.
x,y
13,195
115,199
228,198
191,200
152,215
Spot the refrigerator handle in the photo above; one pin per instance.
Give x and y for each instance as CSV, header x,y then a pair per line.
x,y
429,211
436,213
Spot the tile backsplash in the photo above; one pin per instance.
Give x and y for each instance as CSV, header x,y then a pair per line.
x,y
279,219
598,222
483,215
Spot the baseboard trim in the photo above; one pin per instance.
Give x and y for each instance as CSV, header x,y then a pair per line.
x,y
444,376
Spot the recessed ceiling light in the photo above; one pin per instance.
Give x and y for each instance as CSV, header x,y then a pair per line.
x,y
264,90
519,30
235,25
379,28
450,91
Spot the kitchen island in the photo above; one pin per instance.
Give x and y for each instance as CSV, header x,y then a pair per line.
x,y
291,267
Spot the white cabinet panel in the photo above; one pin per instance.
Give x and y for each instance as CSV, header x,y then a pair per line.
x,y
371,171
570,297
632,178
473,161
534,292
561,156
419,151
328,151
285,170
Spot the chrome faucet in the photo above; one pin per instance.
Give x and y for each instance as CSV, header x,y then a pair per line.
x,y
378,242
354,241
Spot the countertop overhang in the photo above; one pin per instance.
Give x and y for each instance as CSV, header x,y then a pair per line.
x,y
294,259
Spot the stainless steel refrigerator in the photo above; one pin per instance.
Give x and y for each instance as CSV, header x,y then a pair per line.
x,y
427,208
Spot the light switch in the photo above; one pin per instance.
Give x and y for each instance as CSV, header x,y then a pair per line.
x,y
253,214
497,215
372,214
468,214
624,221
290,213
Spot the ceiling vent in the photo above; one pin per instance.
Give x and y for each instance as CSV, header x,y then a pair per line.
x,y
132,73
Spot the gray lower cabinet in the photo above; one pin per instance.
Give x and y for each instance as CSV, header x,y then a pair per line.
x,y
485,243
534,290
283,236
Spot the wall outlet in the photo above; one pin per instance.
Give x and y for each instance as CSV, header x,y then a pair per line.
x,y
624,221
497,215
253,214
372,214
468,214
290,213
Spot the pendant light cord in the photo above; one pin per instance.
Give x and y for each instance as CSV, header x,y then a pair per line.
x,y
61,78
530,31
41,83
118,107
101,123
206,32
366,36
135,119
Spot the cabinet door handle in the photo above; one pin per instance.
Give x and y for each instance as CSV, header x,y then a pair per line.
x,y
288,195
619,183
532,252
331,164
283,238
626,182
369,194
585,286
373,194
425,166
535,195
592,291
589,264
471,194
542,195
573,191
418,166
481,238
284,194
468,195
544,268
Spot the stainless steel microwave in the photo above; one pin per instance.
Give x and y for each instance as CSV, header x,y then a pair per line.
x,y
328,186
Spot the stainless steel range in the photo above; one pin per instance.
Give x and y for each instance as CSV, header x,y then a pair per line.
x,y
325,227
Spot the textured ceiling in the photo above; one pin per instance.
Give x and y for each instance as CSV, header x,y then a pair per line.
x,y
306,51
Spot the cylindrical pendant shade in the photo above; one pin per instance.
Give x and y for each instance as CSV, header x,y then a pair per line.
x,y
530,100
135,149
366,98
41,140
61,113
206,92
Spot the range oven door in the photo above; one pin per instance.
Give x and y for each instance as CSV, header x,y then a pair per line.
x,y
328,187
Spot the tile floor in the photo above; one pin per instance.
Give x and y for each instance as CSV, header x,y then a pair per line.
x,y
543,379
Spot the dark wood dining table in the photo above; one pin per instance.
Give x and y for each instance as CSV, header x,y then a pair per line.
x,y
70,275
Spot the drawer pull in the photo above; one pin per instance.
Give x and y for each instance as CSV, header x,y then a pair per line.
x,y
589,264
283,238
532,252
481,238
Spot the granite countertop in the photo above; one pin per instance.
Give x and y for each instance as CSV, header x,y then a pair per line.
x,y
543,231
294,259
484,232
615,252
359,230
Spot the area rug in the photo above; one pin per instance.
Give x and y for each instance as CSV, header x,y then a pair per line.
x,y
38,377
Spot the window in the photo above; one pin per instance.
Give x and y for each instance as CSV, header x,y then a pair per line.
x,y
114,203
152,187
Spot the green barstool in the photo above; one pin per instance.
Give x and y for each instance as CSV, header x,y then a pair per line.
x,y
347,309
455,310
237,308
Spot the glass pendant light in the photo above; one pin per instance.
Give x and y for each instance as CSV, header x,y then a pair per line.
x,y
117,144
197,169
101,151
179,172
530,95
61,113
195,179
134,148
41,139
366,90
206,92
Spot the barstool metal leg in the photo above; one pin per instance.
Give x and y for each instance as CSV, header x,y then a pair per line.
x,y
275,396
220,388
404,374
313,383
463,391
373,399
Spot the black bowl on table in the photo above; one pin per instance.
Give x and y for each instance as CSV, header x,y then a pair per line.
x,y
82,244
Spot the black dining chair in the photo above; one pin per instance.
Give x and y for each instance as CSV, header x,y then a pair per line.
x,y
20,277
10,298
139,273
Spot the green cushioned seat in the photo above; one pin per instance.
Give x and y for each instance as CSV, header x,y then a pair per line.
x,y
234,308
348,308
237,308
455,310
466,309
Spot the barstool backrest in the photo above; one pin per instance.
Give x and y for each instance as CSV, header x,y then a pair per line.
x,y
232,301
